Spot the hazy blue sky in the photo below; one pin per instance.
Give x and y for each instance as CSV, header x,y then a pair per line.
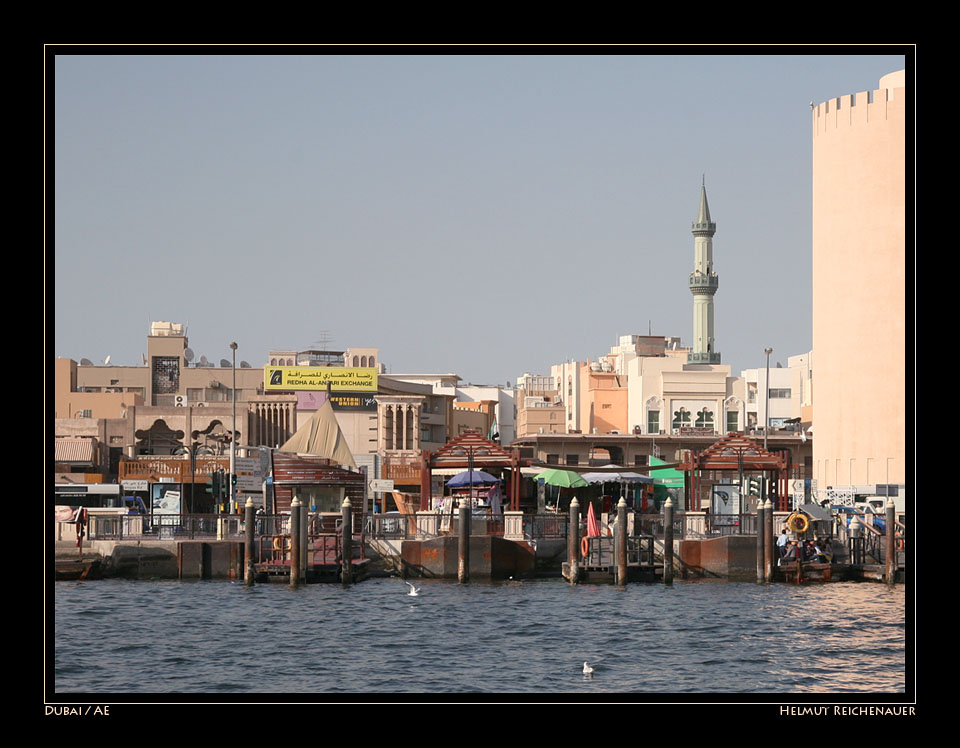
x,y
479,214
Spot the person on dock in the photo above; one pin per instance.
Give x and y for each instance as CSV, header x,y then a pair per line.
x,y
782,541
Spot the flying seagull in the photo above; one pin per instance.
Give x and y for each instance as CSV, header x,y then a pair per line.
x,y
414,591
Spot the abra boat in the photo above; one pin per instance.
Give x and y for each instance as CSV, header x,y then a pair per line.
x,y
806,572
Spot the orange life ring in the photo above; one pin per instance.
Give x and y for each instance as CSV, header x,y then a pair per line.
x,y
584,546
798,523
899,538
282,543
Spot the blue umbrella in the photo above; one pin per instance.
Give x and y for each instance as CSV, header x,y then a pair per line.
x,y
479,478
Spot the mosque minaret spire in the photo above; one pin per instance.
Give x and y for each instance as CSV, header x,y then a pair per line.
x,y
703,285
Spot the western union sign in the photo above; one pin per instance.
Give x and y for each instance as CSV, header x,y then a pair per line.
x,y
317,377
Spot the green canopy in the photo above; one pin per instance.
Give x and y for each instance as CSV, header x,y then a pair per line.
x,y
663,481
561,478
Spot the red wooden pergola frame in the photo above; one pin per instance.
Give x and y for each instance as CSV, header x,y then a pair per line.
x,y
736,452
485,454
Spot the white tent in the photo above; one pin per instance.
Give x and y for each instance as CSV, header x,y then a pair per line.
x,y
321,436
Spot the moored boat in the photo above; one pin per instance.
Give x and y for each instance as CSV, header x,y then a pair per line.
x,y
806,572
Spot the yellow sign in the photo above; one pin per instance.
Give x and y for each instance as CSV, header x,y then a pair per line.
x,y
316,378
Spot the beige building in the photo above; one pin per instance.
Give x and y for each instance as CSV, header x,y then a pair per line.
x,y
172,401
540,406
859,284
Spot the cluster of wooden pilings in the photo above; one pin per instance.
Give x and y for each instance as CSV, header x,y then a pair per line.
x,y
298,519
767,555
573,570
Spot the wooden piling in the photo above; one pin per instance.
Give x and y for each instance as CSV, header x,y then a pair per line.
x,y
668,541
761,536
768,546
573,542
463,555
890,541
249,524
346,563
622,542
295,542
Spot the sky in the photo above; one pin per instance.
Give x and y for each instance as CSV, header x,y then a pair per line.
x,y
483,215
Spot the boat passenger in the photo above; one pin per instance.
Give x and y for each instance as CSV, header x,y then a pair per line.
x,y
791,554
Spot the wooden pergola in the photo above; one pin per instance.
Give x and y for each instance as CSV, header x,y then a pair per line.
x,y
737,453
470,450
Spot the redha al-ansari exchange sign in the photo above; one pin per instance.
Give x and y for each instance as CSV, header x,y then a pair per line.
x,y
340,379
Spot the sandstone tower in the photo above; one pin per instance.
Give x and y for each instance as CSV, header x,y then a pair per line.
x,y
859,261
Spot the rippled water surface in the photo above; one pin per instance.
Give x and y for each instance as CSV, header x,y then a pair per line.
x,y
116,636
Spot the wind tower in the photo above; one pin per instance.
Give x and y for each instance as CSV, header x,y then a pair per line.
x,y
703,285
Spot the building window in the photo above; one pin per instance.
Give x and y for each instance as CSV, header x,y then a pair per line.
x,y
653,422
733,420
553,459
573,459
783,394
704,419
681,418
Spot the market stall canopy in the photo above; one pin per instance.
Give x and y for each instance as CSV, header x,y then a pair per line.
x,y
479,478
321,436
622,476
561,478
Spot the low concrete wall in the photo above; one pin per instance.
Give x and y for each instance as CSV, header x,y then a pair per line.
x,y
733,556
491,557
161,559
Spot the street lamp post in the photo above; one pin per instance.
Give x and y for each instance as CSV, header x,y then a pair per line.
x,y
766,400
233,435
195,449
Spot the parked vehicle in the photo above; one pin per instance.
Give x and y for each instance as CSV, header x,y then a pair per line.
x,y
868,514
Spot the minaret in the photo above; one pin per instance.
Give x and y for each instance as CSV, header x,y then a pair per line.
x,y
703,285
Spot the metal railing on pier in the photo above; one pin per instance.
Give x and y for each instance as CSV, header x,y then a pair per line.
x,y
165,527
602,551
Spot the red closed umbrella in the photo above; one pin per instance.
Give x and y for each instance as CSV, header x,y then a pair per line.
x,y
593,529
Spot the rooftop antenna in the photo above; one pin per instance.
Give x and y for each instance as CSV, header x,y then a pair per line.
x,y
323,341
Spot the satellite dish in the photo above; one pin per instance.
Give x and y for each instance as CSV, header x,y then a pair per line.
x,y
244,365
86,362
188,354
106,361
143,358
203,361
224,363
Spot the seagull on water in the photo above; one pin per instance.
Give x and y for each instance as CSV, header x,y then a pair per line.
x,y
414,591
587,670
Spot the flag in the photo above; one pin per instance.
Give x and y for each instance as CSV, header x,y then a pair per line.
x,y
494,431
